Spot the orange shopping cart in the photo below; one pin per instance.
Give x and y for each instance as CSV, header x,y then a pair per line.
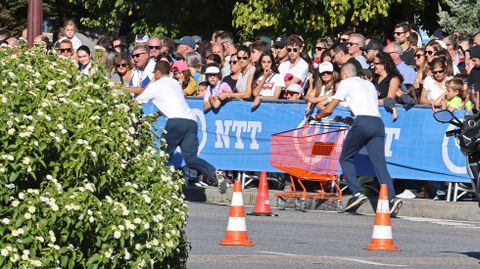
x,y
309,153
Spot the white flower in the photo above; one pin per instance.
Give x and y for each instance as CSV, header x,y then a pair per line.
x,y
31,209
146,226
27,215
155,242
60,126
148,245
2,170
126,257
21,196
15,203
131,130
36,263
137,246
108,254
14,258
137,221
49,177
117,234
5,221
90,187
52,236
26,160
10,123
48,118
94,154
25,134
4,252
121,227
40,239
147,199
9,186
91,219
11,131
54,207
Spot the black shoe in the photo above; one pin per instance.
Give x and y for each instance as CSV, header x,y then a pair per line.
x,y
395,206
355,202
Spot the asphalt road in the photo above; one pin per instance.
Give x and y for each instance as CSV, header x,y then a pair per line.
x,y
321,239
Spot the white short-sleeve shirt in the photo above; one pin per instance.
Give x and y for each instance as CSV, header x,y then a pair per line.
x,y
167,95
270,85
300,70
360,95
433,91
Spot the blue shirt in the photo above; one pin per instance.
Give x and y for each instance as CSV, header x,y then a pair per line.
x,y
409,75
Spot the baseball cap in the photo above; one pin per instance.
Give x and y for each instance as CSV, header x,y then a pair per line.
x,y
474,51
186,40
295,88
280,41
180,65
212,70
197,39
373,45
325,67
139,38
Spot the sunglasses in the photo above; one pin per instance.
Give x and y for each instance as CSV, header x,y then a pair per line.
x,y
398,33
121,65
242,58
351,43
154,47
138,55
292,49
65,50
320,48
326,73
376,63
438,72
233,62
344,40
418,56
430,52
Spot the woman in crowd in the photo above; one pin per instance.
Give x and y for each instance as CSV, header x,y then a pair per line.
x,y
324,87
387,81
234,71
85,61
181,73
194,62
215,87
322,45
245,78
421,67
69,30
123,69
434,85
266,83
431,49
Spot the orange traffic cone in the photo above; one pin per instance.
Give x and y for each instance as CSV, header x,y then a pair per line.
x,y
262,206
237,228
382,238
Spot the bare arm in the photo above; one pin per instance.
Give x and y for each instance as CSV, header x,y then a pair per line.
x,y
328,110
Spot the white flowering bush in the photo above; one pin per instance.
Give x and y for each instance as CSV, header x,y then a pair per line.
x,y
81,185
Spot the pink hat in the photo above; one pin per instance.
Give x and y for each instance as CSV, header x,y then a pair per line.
x,y
180,65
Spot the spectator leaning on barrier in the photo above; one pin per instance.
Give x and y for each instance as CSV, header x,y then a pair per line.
x,y
181,127
295,70
434,85
367,130
143,71
215,88
234,71
293,92
451,99
267,83
247,69
324,87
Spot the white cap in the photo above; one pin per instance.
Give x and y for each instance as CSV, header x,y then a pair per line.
x,y
325,67
295,88
212,70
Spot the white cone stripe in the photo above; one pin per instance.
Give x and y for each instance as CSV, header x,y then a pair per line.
x,y
267,202
383,207
382,232
237,199
237,224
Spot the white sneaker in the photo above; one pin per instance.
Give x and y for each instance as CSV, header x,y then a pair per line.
x,y
407,194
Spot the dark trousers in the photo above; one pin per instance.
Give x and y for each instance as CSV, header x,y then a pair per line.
x,y
366,131
183,133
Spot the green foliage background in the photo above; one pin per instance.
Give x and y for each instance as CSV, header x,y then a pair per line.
x,y
80,183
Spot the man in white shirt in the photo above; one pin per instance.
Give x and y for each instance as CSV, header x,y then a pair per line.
x,y
367,130
181,128
143,71
295,70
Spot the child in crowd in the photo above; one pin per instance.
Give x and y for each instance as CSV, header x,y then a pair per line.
x,y
202,86
184,77
451,98
215,87
69,30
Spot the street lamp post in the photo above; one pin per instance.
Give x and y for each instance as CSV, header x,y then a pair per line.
x,y
35,20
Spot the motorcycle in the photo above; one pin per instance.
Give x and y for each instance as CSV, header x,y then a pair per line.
x,y
468,137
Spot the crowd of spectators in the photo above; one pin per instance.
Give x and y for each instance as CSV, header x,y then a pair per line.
x,y
443,73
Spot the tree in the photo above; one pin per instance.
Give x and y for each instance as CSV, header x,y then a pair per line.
x,y
306,17
463,16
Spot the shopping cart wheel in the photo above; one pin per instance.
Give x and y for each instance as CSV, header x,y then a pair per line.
x,y
339,207
300,204
282,203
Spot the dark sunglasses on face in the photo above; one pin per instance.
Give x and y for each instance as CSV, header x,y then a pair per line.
x,y
344,40
398,33
121,65
66,50
154,47
351,43
418,56
326,73
376,63
292,49
320,48
233,62
438,72
430,52
242,58
137,55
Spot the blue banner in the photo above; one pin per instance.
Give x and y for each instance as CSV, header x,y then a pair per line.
x,y
235,137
